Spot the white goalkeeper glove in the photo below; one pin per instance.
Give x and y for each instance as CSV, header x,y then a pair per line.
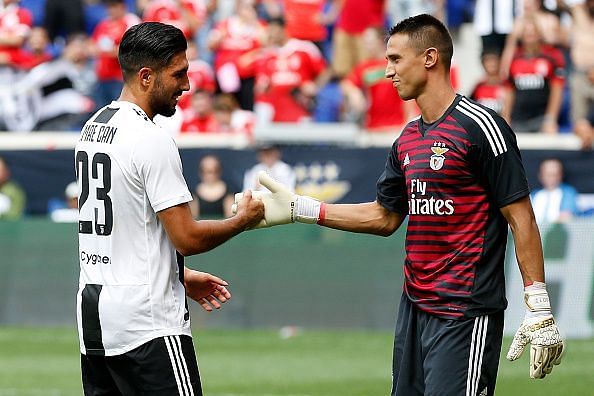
x,y
281,206
540,331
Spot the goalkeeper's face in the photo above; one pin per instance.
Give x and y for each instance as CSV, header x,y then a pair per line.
x,y
170,83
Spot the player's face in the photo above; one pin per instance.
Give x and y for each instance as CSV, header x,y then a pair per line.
x,y
405,67
169,84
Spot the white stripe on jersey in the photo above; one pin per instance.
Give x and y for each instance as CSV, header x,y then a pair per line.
x,y
464,111
498,136
174,366
475,358
184,367
474,117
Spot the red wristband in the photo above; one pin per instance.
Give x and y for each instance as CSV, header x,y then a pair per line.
x,y
322,216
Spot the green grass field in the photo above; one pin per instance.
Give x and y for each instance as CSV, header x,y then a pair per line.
x,y
44,361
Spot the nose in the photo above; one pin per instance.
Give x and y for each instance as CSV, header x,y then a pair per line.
x,y
389,71
185,84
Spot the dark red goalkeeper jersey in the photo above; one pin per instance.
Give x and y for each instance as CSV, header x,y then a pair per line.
x,y
452,181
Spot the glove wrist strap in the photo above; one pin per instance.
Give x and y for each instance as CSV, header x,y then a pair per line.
x,y
537,300
307,209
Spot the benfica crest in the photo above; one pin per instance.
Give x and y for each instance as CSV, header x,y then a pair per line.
x,y
437,159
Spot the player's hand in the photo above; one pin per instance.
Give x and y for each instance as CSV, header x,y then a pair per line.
x,y
540,331
281,206
208,290
250,209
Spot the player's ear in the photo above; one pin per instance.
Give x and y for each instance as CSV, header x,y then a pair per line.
x,y
431,57
145,75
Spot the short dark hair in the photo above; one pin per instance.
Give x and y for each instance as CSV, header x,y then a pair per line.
x,y
425,31
149,44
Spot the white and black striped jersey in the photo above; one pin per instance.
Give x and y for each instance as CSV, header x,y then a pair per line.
x,y
131,281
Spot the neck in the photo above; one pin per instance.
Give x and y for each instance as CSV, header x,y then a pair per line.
x,y
435,101
129,95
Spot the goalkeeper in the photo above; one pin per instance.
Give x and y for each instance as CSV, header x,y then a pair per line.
x,y
457,174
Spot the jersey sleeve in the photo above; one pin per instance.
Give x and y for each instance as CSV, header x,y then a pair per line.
x,y
496,156
391,185
158,163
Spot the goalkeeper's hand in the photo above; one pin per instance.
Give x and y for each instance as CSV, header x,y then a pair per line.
x,y
281,206
540,331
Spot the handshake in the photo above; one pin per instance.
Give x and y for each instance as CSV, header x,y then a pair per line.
x,y
281,206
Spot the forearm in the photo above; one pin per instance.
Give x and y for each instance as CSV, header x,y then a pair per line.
x,y
527,241
205,235
369,218
554,103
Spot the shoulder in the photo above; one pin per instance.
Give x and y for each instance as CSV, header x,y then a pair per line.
x,y
481,122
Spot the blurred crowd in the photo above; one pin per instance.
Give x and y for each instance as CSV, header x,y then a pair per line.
x,y
254,62
259,61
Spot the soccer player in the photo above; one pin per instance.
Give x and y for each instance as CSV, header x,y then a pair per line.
x,y
133,320
456,172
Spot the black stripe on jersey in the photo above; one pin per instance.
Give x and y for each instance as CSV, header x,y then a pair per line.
x,y
181,268
105,115
91,325
85,227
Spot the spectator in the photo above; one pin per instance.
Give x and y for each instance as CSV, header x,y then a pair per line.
x,y
555,201
106,37
200,74
35,51
536,78
201,117
63,18
236,42
490,90
15,24
187,15
12,196
493,21
231,118
547,23
50,95
212,196
286,77
69,212
582,74
354,16
269,160
370,94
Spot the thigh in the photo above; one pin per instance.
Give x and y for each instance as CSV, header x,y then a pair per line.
x,y
407,368
96,378
163,366
462,356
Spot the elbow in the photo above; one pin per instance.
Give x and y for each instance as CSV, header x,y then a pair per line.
x,y
387,230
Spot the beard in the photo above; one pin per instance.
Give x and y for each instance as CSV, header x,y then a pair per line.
x,y
161,102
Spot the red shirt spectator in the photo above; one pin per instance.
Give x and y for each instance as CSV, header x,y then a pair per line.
x,y
187,15
201,78
385,106
15,24
200,117
35,52
282,73
357,15
532,77
107,37
236,44
304,19
489,94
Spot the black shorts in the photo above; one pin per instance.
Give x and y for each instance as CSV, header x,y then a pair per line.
x,y
446,357
163,366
